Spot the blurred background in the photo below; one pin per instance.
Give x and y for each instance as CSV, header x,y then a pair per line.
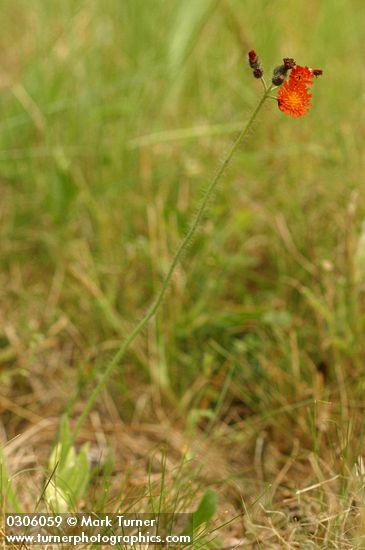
x,y
114,115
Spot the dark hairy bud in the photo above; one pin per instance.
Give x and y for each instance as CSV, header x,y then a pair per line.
x,y
279,75
281,71
278,79
258,73
253,59
289,63
254,62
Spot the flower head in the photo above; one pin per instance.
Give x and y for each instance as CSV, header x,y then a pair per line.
x,y
294,99
302,75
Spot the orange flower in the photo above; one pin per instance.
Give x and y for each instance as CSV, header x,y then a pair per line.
x,y
301,75
293,98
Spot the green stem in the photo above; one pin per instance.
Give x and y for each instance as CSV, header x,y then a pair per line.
x,y
158,301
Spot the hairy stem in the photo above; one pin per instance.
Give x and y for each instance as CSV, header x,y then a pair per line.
x,y
159,299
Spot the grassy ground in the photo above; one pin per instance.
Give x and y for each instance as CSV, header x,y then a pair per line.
x,y
250,381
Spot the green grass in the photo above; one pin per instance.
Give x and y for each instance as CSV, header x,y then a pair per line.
x,y
114,116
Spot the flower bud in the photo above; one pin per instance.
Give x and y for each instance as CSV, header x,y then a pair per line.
x,y
253,59
289,63
277,80
279,75
317,72
281,71
255,64
258,73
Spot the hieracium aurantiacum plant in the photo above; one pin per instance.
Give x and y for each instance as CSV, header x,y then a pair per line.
x,y
292,79
293,82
